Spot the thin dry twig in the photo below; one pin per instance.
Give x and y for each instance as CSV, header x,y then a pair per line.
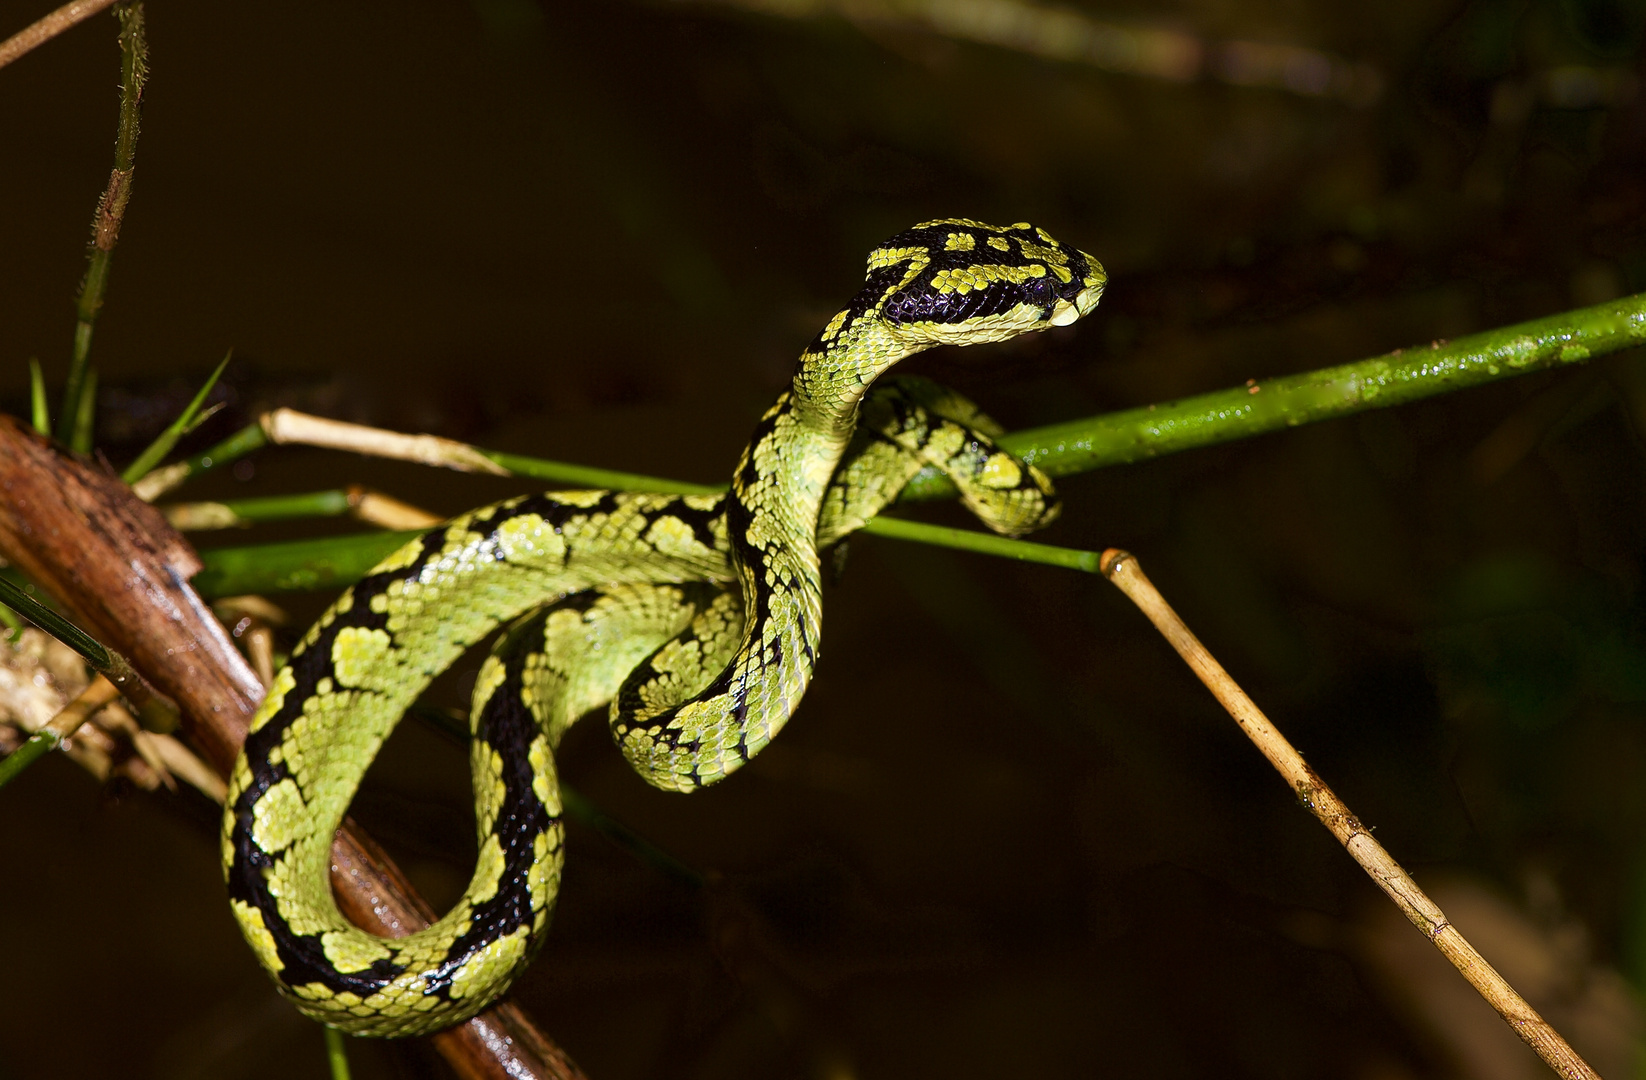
x,y
182,762
45,695
98,693
387,512
291,426
117,721
45,29
1122,569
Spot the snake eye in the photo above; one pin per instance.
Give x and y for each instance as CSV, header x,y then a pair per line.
x,y
1041,291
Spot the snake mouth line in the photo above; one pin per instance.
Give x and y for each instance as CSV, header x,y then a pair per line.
x,y
1068,311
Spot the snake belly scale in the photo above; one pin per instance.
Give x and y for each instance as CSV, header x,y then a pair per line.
x,y
696,617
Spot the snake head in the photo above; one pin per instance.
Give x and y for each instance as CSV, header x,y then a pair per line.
x,y
956,282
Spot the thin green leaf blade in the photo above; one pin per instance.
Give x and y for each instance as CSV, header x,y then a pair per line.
x,y
184,424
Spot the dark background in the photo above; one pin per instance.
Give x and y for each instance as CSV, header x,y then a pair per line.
x,y
1008,834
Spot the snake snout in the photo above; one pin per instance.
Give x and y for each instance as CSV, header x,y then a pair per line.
x,y
1081,293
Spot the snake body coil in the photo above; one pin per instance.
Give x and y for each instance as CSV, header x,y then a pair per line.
x,y
634,605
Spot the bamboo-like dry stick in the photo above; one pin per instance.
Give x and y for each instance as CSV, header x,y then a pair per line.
x,y
42,31
98,693
182,762
54,732
387,512
291,426
117,721
1121,568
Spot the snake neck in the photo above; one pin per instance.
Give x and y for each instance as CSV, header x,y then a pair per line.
x,y
814,421
839,366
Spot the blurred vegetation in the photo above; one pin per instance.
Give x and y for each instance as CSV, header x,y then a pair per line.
x,y
1007,834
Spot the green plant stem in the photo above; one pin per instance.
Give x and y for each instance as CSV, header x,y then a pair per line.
x,y
90,649
12,623
236,512
85,417
167,439
169,477
34,748
560,472
233,448
102,659
106,661
1398,378
111,210
337,1053
296,566
1062,449
985,544
37,398
339,561
1268,405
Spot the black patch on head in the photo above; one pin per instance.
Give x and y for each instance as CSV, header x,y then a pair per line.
x,y
918,301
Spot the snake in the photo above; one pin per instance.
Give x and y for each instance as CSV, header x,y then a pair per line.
x,y
694,619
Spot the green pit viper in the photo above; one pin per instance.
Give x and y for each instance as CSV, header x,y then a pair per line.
x,y
696,617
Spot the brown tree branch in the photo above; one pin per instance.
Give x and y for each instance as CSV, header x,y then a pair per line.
x,y
122,571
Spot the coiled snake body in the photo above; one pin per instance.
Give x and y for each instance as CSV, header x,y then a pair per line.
x,y
633,603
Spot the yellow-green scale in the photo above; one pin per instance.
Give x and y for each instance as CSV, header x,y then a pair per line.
x,y
984,284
